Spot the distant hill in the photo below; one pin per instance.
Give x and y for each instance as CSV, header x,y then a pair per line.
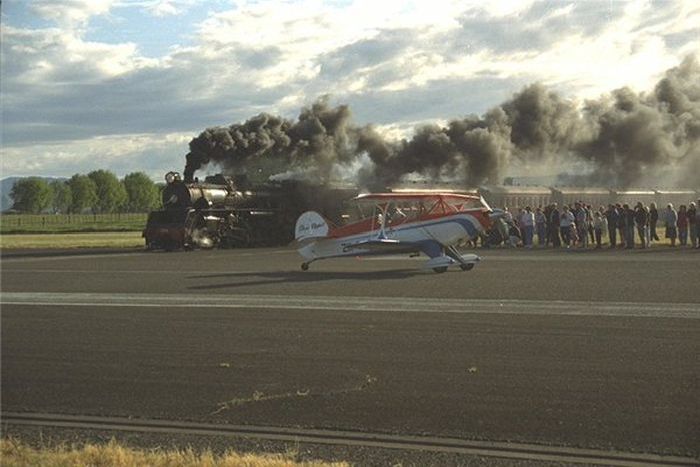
x,y
6,185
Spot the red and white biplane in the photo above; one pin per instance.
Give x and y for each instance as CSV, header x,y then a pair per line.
x,y
432,223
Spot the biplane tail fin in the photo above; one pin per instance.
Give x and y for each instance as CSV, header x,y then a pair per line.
x,y
311,225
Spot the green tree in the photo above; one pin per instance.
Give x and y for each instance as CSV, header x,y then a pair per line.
x,y
31,194
83,193
62,196
142,194
111,195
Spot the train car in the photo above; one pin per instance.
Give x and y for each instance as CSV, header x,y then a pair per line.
x,y
676,197
633,196
593,196
514,197
428,186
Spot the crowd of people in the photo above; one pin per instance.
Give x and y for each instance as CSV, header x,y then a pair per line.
x,y
582,226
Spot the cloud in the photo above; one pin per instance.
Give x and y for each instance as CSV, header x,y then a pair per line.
x,y
165,8
122,154
71,13
392,62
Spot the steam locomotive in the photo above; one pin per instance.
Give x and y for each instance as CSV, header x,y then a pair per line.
x,y
225,212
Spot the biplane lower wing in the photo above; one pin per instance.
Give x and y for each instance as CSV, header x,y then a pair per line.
x,y
383,245
441,256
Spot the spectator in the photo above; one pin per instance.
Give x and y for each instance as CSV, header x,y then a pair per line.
x,y
554,222
647,234
641,220
541,226
612,216
507,216
694,224
653,219
682,225
527,225
580,215
697,224
621,223
514,234
671,218
565,223
628,214
547,211
502,227
589,221
574,238
599,224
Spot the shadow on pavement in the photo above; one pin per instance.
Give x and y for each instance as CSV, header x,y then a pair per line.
x,y
49,253
290,277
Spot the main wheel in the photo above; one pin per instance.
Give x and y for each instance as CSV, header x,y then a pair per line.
x,y
440,270
304,266
467,267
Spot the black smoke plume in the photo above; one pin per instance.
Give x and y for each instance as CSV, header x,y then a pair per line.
x,y
622,137
317,141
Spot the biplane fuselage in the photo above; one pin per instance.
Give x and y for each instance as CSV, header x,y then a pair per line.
x,y
398,223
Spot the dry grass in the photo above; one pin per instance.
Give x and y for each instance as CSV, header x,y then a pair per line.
x,y
15,453
73,240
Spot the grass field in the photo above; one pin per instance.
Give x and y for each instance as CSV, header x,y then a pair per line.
x,y
18,454
73,240
54,223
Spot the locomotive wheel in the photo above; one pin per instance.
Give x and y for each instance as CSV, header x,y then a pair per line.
x,y
467,267
304,266
440,270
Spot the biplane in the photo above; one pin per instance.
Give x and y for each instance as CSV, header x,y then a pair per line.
x,y
408,223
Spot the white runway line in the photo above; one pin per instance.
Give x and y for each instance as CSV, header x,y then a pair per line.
x,y
374,304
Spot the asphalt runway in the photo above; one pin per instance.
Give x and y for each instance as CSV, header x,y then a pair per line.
x,y
560,348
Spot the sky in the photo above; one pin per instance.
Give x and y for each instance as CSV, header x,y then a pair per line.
x,y
124,85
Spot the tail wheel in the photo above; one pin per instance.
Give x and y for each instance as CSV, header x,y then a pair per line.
x,y
467,267
304,266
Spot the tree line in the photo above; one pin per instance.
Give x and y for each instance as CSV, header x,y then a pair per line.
x,y
98,192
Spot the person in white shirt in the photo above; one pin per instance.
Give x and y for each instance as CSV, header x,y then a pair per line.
x,y
527,225
566,222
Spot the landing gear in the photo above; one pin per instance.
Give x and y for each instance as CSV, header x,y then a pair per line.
x,y
304,266
452,252
440,270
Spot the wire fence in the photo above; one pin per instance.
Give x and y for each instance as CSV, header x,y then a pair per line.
x,y
28,221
